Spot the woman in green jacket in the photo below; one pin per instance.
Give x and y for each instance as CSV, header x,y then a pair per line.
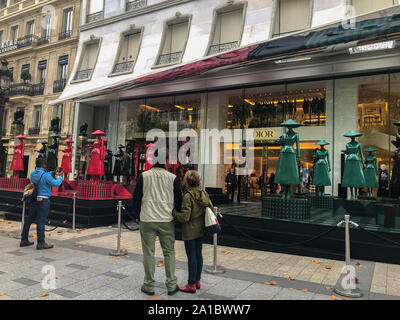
x,y
192,216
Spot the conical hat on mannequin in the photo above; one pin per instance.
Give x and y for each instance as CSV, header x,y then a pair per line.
x,y
370,149
98,133
322,143
353,133
68,141
290,123
21,136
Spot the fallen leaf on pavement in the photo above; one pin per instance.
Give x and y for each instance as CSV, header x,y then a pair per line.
x,y
334,298
290,278
57,277
160,263
43,294
110,279
328,288
304,290
317,261
60,231
155,298
271,283
344,298
118,258
225,252
2,294
291,289
328,267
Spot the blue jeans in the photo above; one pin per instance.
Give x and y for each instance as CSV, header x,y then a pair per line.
x,y
38,213
195,259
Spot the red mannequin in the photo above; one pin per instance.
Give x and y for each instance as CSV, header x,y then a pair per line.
x,y
149,157
17,163
67,159
96,163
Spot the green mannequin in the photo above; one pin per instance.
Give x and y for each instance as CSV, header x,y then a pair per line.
x,y
322,168
353,175
287,172
371,171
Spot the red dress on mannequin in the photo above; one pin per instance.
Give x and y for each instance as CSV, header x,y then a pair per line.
x,y
17,163
96,165
66,160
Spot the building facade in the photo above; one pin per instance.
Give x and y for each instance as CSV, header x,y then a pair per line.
x,y
128,77
39,39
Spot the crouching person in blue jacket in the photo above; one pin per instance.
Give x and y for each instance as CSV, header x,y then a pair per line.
x,y
40,208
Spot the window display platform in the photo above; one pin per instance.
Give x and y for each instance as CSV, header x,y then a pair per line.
x,y
89,213
244,226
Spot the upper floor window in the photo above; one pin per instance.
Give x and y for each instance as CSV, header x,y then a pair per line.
x,y
3,4
88,60
1,38
14,33
174,41
42,65
135,4
46,29
227,30
25,73
37,116
30,28
365,6
128,52
62,75
291,16
95,10
12,74
66,31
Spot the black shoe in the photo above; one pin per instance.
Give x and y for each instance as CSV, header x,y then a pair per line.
x,y
171,293
149,293
43,246
26,243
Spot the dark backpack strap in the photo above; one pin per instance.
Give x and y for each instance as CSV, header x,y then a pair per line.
x,y
41,178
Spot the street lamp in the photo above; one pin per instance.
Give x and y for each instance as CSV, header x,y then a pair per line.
x,y
5,79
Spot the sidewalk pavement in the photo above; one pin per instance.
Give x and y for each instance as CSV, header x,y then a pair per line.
x,y
84,270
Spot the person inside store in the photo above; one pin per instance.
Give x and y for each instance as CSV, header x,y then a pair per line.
x,y
157,193
271,184
253,181
192,216
383,181
231,183
40,207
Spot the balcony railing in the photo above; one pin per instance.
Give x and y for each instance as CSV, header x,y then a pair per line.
x,y
135,4
123,67
59,85
217,48
22,42
172,57
34,131
19,89
94,17
43,40
65,35
83,74
38,89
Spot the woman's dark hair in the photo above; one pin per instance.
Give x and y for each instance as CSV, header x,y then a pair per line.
x,y
41,163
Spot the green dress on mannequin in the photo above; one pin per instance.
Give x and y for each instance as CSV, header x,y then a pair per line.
x,y
287,172
371,171
322,168
353,175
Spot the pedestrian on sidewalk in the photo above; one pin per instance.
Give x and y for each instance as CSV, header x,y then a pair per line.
x,y
157,194
192,217
39,209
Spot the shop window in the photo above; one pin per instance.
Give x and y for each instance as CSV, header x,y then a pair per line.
x,y
88,60
128,52
291,16
227,30
95,11
174,41
365,6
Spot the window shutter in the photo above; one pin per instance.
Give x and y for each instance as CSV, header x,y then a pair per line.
x,y
231,26
365,6
89,58
133,46
178,37
293,15
95,6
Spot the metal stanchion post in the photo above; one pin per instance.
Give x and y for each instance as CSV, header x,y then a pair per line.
x,y
118,252
18,236
348,292
73,230
215,269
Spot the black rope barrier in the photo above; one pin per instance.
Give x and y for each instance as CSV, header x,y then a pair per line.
x,y
126,225
294,244
377,236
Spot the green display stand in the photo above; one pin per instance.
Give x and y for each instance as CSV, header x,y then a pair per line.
x,y
357,208
295,208
320,202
